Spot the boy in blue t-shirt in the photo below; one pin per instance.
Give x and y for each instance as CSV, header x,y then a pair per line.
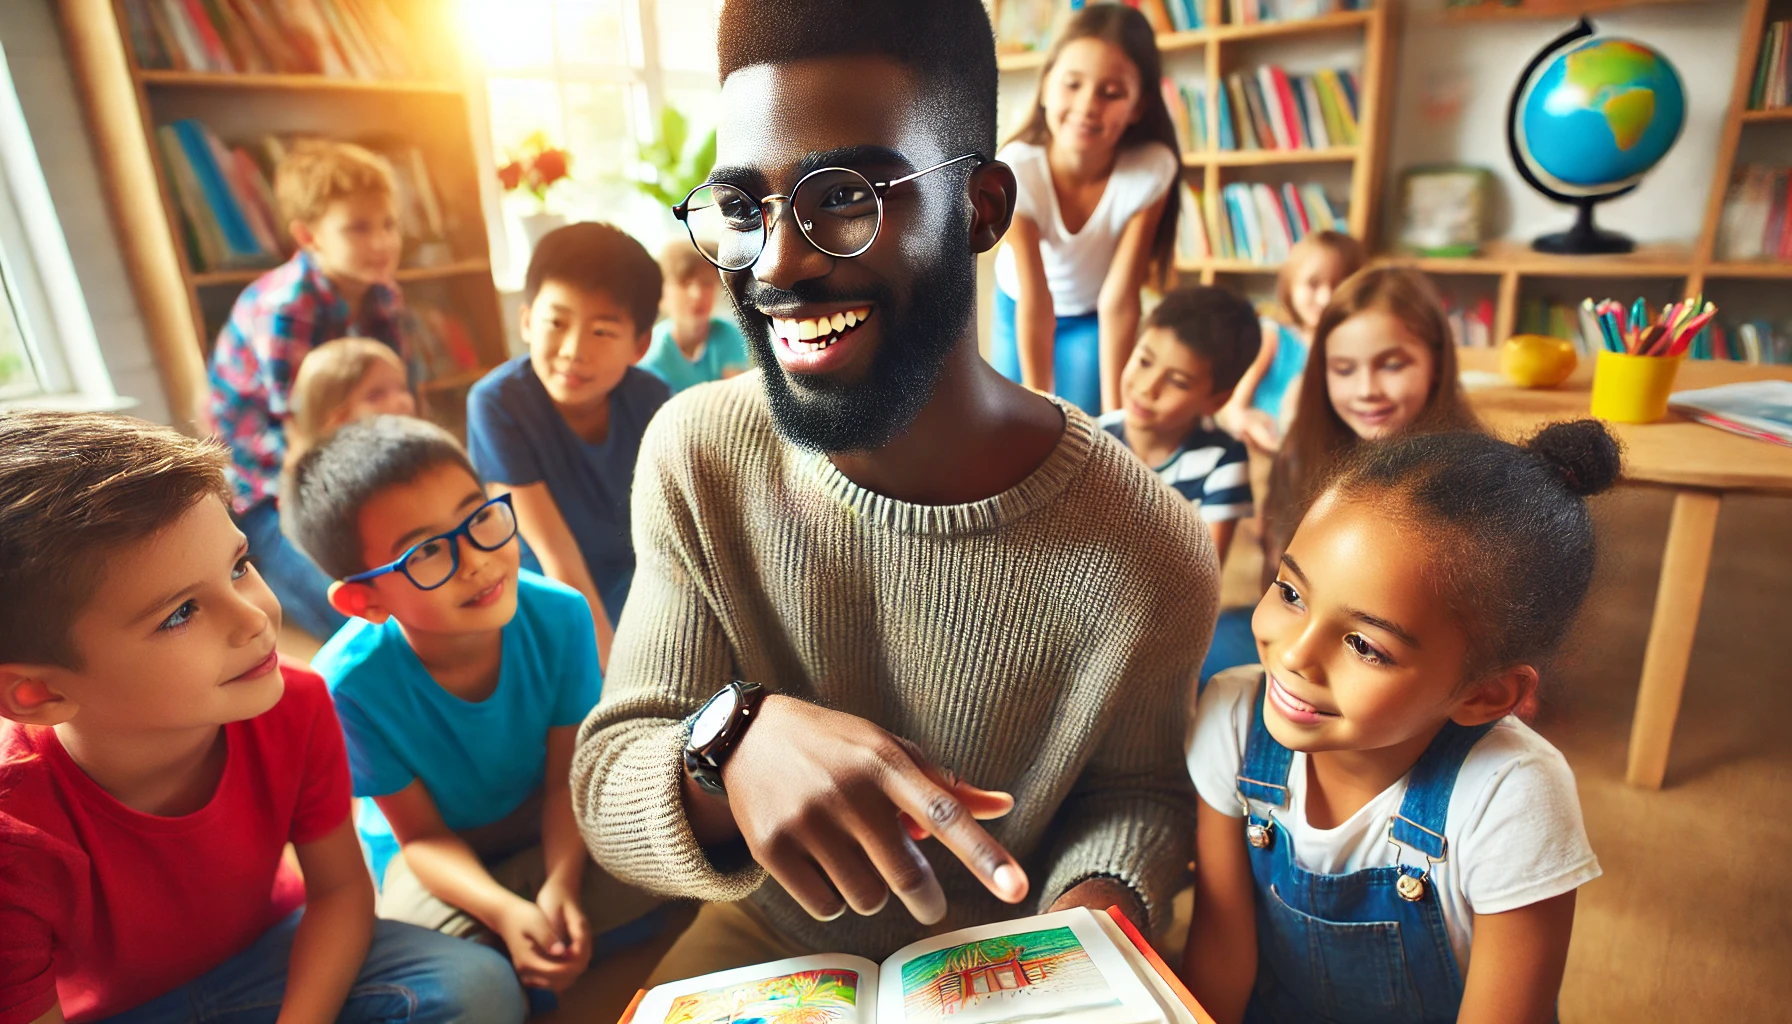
x,y
1194,348
460,682
560,427
692,345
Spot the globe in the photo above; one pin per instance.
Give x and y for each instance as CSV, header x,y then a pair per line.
x,y
1590,116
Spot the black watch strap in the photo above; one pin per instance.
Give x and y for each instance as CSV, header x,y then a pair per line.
x,y
704,755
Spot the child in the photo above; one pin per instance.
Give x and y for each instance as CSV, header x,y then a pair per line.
x,y
559,427
692,345
1413,849
338,200
1386,363
460,685
1095,166
341,381
157,756
1196,344
1315,267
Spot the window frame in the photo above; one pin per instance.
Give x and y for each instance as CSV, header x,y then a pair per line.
x,y
46,294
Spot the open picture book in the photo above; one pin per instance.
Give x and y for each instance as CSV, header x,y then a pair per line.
x,y
1072,967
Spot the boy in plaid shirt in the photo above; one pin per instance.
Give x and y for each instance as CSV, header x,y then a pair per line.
x,y
339,202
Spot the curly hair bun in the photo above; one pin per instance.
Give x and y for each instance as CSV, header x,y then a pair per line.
x,y
1583,453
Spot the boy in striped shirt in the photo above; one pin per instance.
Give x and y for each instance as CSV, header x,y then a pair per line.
x,y
1195,346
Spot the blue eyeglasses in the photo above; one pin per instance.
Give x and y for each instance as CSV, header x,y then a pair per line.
x,y
433,561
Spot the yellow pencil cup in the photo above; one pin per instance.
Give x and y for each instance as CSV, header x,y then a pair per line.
x,y
1632,389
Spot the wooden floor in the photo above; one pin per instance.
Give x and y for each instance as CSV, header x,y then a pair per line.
x,y
1692,920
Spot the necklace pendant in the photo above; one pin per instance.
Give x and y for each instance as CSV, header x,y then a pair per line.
x,y
1260,836
1410,888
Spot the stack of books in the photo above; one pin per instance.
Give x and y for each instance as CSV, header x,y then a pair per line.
x,y
1772,86
1754,224
1251,222
1275,110
1187,102
1761,409
1472,325
227,204
342,38
1251,12
1556,319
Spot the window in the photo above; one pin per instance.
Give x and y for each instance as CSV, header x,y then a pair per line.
x,y
49,355
593,76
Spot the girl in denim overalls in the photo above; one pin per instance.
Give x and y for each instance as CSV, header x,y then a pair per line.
x,y
1379,840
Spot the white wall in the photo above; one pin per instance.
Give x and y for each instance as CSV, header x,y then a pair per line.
x,y
1454,80
46,89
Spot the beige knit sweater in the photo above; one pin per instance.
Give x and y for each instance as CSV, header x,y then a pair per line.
x,y
1040,642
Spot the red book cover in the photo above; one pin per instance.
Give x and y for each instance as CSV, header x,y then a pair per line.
x,y
215,54
1158,965
1290,112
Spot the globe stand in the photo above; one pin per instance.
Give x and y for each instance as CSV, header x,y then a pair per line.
x,y
1584,239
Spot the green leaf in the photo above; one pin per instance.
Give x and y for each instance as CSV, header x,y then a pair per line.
x,y
673,130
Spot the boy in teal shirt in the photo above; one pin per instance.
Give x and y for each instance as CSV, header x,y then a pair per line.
x,y
692,345
460,682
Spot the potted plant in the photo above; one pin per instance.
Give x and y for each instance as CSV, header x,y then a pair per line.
x,y
531,170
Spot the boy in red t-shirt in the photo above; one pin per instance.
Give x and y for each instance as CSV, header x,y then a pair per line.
x,y
157,757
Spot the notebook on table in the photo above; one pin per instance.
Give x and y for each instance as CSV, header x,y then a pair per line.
x,y
1071,967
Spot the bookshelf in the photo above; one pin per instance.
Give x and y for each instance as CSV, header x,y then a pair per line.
x,y
1225,48
1689,269
185,303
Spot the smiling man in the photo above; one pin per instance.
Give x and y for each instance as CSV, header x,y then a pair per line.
x,y
874,575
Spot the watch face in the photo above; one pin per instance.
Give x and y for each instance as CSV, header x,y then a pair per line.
x,y
713,718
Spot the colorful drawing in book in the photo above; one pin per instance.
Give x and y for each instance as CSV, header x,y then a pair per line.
x,y
1030,976
807,997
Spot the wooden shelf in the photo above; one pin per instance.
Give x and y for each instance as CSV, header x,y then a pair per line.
x,y
405,275
1270,157
1302,26
1766,270
463,379
1495,11
1169,42
1509,256
1772,114
1227,267
293,83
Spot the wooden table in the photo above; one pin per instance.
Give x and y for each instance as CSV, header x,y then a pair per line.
x,y
1701,464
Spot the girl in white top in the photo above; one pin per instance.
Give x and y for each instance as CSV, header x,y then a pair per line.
x,y
1095,165
1378,839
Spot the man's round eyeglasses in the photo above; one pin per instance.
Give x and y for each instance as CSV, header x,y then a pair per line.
x,y
839,211
433,561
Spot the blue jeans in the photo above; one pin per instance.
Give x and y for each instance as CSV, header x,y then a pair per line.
x,y
1233,643
294,578
411,976
1076,354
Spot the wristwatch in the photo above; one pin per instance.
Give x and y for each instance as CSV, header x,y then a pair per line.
x,y
716,729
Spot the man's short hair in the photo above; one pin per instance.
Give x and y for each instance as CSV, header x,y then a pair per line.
x,y
317,173
948,44
320,508
75,488
594,257
1216,325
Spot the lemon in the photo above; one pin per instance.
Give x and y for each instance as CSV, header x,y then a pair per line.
x,y
1536,360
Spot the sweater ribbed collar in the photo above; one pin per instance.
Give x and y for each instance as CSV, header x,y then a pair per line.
x,y
1039,488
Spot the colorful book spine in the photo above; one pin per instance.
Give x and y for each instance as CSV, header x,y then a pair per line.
x,y
1243,125
239,240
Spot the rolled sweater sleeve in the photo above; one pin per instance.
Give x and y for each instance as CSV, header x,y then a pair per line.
x,y
1130,815
670,656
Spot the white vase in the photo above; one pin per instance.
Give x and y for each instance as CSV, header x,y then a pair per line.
x,y
536,225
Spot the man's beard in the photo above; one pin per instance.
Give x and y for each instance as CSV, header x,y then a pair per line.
x,y
913,342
